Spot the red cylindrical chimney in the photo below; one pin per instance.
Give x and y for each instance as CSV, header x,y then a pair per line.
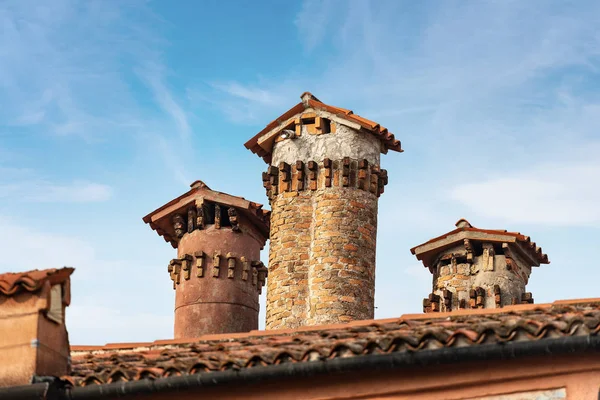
x,y
217,274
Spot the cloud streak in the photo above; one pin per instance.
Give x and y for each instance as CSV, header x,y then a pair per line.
x,y
152,74
25,185
84,89
99,312
551,194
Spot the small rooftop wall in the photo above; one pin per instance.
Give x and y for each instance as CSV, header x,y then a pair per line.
x,y
33,336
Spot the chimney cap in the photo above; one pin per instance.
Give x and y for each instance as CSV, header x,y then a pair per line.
x,y
160,219
463,223
430,250
306,96
198,184
262,143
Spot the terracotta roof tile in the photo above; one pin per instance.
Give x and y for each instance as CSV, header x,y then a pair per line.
x,y
390,142
410,333
15,282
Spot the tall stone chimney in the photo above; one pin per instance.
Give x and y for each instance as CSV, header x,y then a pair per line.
x,y
217,275
323,183
478,268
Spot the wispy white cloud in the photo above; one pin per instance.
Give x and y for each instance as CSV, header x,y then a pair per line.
x,y
152,73
76,192
550,194
101,310
313,21
92,324
66,70
47,250
24,184
171,158
248,103
259,95
448,73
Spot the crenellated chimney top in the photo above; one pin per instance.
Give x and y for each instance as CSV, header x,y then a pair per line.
x,y
478,268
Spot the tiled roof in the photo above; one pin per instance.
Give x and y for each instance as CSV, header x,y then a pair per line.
x,y
14,282
409,333
390,142
492,235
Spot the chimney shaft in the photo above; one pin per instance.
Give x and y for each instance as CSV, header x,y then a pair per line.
x,y
217,275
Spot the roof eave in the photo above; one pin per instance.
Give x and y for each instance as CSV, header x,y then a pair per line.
x,y
455,236
250,209
359,123
572,345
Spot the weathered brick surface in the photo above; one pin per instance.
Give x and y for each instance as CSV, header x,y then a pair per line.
x,y
287,288
341,274
322,253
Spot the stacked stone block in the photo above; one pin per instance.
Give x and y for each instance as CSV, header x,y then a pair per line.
x,y
341,275
289,257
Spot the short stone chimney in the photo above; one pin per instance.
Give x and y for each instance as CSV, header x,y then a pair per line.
x,y
33,337
323,183
478,268
217,275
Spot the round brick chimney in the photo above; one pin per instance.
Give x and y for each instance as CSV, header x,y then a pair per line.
x,y
217,275
323,185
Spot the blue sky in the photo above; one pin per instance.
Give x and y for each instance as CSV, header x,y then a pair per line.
x,y
109,109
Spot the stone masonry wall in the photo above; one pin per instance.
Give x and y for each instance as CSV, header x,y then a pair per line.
x,y
287,286
322,257
341,275
322,244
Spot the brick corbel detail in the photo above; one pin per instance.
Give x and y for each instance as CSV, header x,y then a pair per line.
x,y
447,296
527,298
431,303
497,296
183,267
477,297
314,175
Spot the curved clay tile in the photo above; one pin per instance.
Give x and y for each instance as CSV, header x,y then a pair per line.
x,y
407,334
14,282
